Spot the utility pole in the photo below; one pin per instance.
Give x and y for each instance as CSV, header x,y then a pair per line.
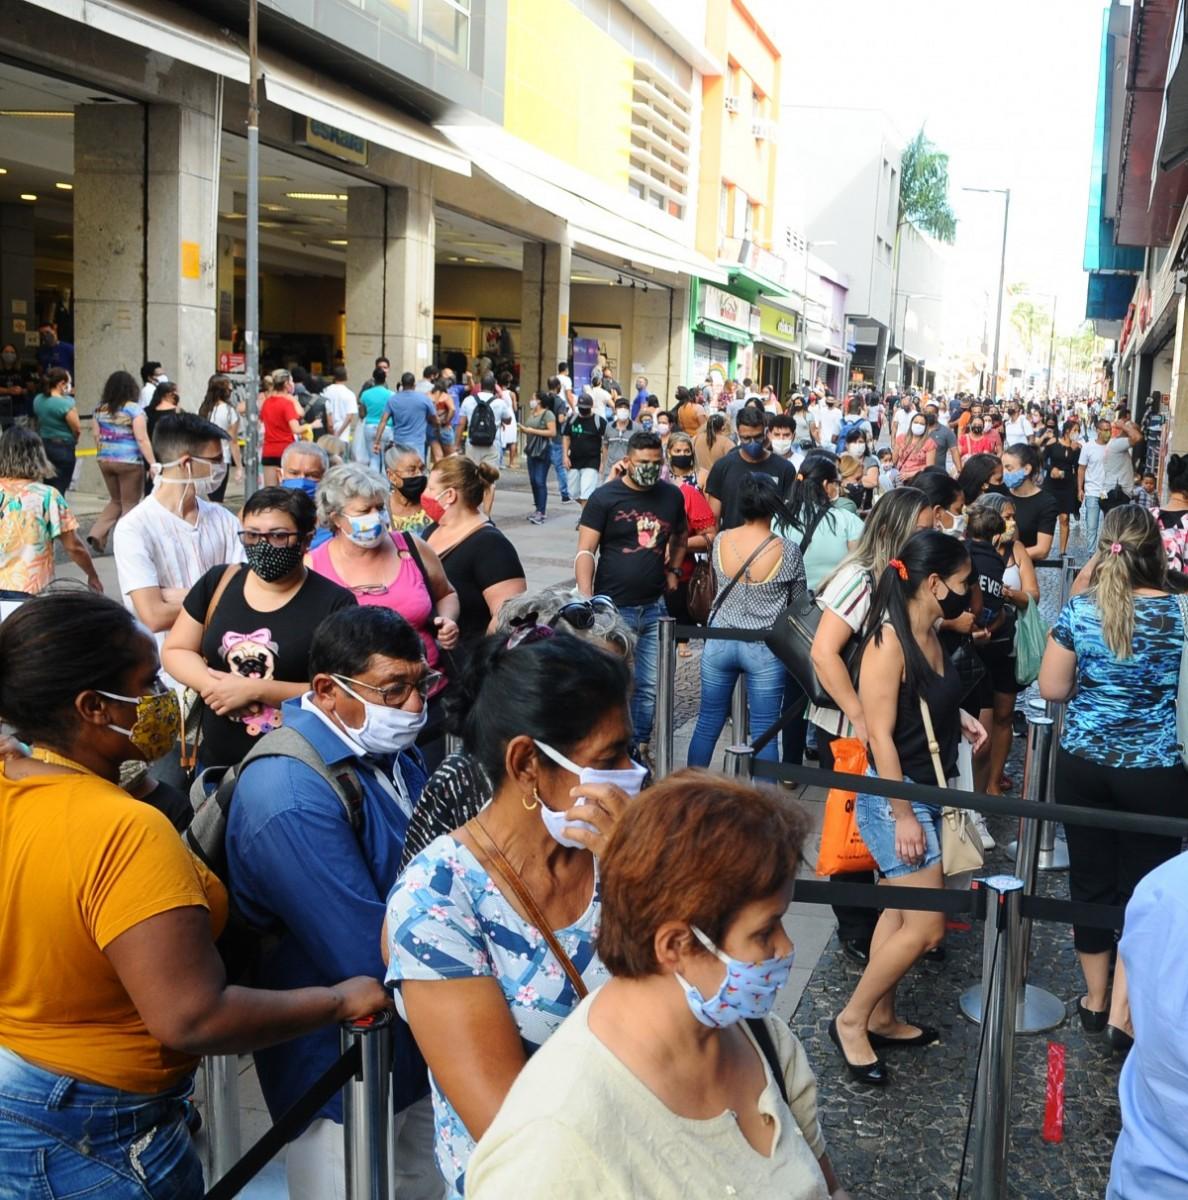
x,y
1051,350
251,323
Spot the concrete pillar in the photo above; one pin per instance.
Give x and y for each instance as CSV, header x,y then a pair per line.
x,y
390,270
1178,392
225,286
658,340
16,276
544,313
109,244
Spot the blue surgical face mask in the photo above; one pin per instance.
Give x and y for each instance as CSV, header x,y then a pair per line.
x,y
1013,478
752,447
747,991
308,486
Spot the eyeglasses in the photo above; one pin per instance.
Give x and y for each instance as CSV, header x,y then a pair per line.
x,y
280,538
396,694
370,589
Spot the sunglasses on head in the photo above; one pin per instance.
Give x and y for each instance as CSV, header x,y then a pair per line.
x,y
579,614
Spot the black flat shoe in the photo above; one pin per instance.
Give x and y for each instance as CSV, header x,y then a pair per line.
x,y
872,1074
1091,1020
1120,1041
925,1037
936,954
855,950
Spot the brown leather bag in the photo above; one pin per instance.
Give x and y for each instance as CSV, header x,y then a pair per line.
x,y
701,591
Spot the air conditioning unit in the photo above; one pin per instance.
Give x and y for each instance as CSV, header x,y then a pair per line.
x,y
759,130
732,103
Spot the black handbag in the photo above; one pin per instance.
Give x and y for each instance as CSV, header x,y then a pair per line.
x,y
970,667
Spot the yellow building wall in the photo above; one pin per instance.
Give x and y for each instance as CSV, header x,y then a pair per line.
x,y
581,114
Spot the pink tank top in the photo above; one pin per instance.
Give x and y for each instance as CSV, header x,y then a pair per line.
x,y
407,594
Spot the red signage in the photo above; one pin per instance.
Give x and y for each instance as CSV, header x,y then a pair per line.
x,y
232,364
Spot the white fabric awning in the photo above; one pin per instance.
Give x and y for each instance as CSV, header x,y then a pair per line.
x,y
311,95
592,225
181,35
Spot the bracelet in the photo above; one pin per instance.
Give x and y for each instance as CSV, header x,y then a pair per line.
x,y
581,552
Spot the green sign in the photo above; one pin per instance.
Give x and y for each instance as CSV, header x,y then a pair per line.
x,y
777,326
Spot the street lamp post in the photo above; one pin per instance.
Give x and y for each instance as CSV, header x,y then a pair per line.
x,y
1006,215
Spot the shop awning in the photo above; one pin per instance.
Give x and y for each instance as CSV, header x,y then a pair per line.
x,y
181,35
319,98
595,226
724,333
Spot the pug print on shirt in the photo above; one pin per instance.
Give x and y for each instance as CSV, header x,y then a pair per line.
x,y
256,645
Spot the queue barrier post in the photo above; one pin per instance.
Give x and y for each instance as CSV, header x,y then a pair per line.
x,y
220,1086
1038,1010
662,726
1000,989
739,762
453,743
368,1123
738,711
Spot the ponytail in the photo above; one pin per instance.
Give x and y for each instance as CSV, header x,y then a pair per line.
x,y
1130,555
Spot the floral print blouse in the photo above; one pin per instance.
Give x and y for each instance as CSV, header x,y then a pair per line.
x,y
447,919
32,517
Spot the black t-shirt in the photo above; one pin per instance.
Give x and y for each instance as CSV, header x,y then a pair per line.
x,y
585,441
261,645
484,559
634,530
1035,515
727,474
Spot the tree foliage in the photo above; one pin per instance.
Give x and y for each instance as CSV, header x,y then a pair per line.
x,y
924,189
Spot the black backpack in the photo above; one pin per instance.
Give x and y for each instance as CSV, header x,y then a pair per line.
x,y
480,429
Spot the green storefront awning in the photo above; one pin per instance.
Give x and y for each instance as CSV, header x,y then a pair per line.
x,y
726,333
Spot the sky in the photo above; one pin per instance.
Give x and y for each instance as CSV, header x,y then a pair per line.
x,y
1007,89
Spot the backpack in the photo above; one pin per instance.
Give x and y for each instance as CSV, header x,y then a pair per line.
x,y
480,429
241,945
846,426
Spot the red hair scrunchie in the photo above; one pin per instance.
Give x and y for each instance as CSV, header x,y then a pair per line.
x,y
900,569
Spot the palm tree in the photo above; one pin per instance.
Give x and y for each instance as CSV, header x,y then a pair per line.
x,y
1031,323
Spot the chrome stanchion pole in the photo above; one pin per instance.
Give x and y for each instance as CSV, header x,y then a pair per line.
x,y
739,762
1001,978
662,726
453,743
738,711
220,1085
1053,848
367,1109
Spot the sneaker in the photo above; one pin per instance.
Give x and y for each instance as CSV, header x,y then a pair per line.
x,y
988,842
566,499
536,519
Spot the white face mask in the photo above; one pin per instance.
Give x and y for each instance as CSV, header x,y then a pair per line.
x,y
781,446
384,730
203,485
629,779
918,427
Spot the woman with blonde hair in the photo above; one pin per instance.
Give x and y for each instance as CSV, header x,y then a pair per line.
x,y
1114,657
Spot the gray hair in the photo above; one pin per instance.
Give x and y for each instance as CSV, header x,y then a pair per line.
x,y
608,628
396,451
279,379
993,500
305,450
351,481
22,456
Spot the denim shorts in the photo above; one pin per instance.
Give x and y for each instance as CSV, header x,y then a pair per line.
x,y
876,823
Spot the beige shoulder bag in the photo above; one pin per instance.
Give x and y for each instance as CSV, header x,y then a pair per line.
x,y
961,844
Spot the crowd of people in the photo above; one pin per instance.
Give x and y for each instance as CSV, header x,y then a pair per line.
x,y
401,778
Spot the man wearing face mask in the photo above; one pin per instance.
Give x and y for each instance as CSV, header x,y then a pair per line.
x,y
948,456
318,877
618,434
1104,465
303,465
751,456
582,448
634,530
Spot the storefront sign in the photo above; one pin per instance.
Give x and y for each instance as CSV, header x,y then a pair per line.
x,y
231,363
338,143
777,326
720,306
585,359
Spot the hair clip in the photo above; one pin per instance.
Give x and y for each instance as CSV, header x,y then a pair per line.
x,y
900,569
1116,548
525,635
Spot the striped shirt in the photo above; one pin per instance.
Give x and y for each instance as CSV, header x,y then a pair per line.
x,y
848,594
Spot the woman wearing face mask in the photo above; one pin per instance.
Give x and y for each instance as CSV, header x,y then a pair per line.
x,y
218,410
386,569
540,430
680,1041
121,434
119,927
946,498
242,638
57,422
548,721
480,562
976,439
1035,510
1060,458
907,684
663,429
980,474
914,449
702,524
405,467
165,400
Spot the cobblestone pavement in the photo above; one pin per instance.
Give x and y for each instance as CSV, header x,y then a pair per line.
x,y
905,1141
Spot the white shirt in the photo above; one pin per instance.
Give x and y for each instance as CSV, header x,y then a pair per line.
x,y
341,403
499,407
146,392
828,420
1017,431
903,420
566,384
1105,466
224,416
602,402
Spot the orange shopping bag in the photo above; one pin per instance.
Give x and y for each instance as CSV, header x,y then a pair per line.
x,y
842,847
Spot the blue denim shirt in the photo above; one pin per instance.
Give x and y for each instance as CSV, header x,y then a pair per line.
x,y
296,866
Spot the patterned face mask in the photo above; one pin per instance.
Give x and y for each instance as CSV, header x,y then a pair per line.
x,y
748,990
646,474
273,562
157,724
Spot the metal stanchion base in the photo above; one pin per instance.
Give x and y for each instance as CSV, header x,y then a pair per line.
x,y
1011,848
1055,859
1039,1011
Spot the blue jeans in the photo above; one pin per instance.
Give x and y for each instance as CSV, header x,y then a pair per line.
x,y
538,477
644,622
557,457
1092,522
721,665
62,1137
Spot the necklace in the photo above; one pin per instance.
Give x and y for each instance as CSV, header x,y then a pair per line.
x,y
54,759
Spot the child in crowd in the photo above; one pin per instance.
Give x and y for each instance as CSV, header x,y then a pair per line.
x,y
888,472
1144,495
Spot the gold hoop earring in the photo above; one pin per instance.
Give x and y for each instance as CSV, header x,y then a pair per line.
x,y
535,801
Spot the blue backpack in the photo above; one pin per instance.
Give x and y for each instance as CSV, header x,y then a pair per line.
x,y
846,427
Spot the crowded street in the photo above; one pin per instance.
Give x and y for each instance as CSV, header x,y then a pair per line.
x,y
599,632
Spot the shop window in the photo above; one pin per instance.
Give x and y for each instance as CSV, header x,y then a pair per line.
x,y
445,28
742,213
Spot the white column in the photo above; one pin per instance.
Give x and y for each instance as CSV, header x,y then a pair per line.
x,y
544,313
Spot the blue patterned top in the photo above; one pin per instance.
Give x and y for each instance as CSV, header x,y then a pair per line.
x,y
448,920
1124,711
